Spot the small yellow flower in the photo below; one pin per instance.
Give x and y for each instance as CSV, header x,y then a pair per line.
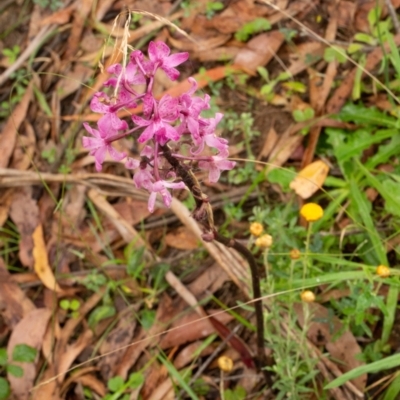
x,y
383,271
307,296
225,364
295,254
256,229
264,241
311,212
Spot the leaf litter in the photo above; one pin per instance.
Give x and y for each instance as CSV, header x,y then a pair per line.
x,y
73,225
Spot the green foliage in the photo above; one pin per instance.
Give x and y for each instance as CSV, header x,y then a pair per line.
x,y
147,318
302,116
212,7
4,389
19,87
21,353
239,393
256,26
135,261
118,387
24,353
52,4
100,313
11,54
15,370
335,53
281,176
115,384
94,280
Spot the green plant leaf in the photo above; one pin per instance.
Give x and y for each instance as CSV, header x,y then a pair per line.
x,y
377,366
115,384
74,305
388,189
363,207
369,116
147,318
365,38
393,391
135,380
255,26
100,313
335,53
15,370
24,353
4,389
3,357
64,304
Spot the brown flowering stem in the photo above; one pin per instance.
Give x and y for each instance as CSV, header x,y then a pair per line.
x,y
261,358
203,214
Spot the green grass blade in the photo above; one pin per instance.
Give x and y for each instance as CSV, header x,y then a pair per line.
x,y
178,377
377,366
393,391
389,196
363,207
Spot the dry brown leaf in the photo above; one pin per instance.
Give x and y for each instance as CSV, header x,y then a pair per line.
x,y
30,331
208,282
24,212
41,261
182,238
166,311
223,53
153,377
25,149
8,136
310,179
119,337
127,232
189,352
164,391
193,329
345,12
259,51
271,138
132,210
50,390
14,305
6,197
93,383
71,352
82,10
73,81
343,347
283,150
60,17
307,54
200,45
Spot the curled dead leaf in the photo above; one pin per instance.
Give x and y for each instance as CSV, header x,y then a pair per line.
x,y
310,179
41,261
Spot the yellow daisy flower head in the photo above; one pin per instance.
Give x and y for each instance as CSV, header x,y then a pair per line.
x,y
295,254
383,271
225,364
311,212
256,229
307,296
265,241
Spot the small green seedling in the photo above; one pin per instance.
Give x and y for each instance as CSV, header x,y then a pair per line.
x,y
71,305
21,353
